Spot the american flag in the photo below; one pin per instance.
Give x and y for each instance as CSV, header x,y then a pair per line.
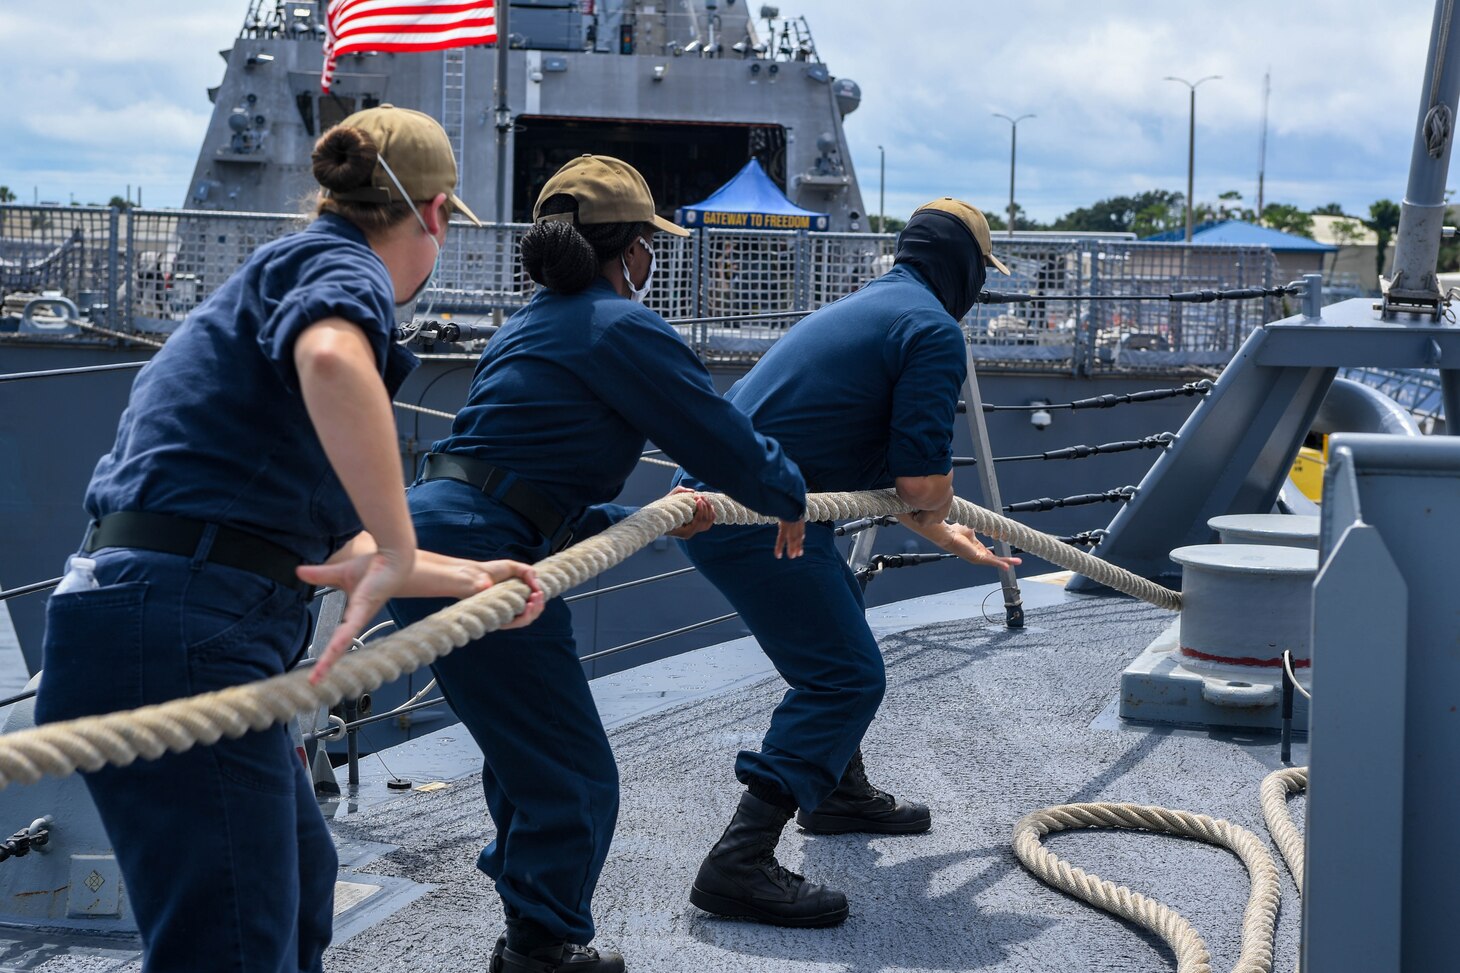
x,y
404,25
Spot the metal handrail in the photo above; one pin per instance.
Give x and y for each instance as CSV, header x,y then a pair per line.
x,y
79,370
629,584
594,656
28,589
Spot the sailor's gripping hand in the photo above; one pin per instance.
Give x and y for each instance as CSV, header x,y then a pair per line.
x,y
703,519
371,578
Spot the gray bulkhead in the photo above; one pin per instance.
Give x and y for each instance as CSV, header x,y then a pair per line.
x,y
269,109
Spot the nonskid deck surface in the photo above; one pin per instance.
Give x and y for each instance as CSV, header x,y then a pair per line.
x,y
981,723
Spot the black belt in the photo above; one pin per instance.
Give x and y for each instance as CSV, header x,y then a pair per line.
x,y
507,488
167,534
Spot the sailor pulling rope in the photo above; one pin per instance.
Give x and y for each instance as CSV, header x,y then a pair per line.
x,y
91,743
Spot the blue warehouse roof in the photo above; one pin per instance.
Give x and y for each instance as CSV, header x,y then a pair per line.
x,y
1236,233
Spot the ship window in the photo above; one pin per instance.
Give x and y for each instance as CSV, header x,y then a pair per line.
x,y
334,109
682,162
306,110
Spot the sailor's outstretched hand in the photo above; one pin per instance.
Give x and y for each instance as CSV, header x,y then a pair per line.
x,y
965,543
790,538
703,519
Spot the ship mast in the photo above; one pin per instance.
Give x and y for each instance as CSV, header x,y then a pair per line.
x,y
1413,285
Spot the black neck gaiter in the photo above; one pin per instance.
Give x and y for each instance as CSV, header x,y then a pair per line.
x,y
942,250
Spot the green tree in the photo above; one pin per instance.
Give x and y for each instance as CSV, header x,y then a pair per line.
x,y
1383,220
1329,209
1157,218
1288,219
894,225
1347,232
1230,207
1022,220
6,196
120,203
1118,214
1450,248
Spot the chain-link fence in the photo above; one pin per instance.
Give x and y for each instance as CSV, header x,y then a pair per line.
x,y
173,259
731,293
73,250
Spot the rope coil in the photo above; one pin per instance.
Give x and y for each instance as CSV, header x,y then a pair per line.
x,y
1259,921
90,743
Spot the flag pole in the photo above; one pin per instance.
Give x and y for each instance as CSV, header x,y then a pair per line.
x,y
500,11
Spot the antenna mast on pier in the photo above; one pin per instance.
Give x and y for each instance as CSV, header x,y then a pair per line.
x,y
1262,143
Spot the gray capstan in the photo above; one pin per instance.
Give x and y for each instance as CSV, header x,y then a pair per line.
x,y
1221,662
1282,530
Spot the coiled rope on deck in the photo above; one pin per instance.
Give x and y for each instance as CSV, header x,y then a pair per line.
x,y
90,743
1259,922
1275,790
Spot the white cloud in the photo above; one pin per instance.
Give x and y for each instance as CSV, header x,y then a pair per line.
x,y
107,93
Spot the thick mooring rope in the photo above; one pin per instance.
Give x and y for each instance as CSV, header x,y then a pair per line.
x,y
1259,922
90,743
1275,790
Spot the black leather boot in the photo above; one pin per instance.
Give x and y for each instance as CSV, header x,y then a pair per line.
x,y
560,958
741,879
857,806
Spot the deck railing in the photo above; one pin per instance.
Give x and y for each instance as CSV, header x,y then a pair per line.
x,y
731,292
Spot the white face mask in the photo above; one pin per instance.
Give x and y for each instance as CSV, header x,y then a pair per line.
x,y
405,310
637,294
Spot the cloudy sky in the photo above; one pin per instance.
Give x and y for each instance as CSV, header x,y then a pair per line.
x,y
102,93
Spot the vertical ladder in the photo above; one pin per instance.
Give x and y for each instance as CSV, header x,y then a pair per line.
x,y
453,105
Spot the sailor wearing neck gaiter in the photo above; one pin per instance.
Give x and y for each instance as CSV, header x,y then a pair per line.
x,y
862,394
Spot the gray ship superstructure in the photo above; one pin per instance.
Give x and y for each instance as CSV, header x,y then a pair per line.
x,y
685,90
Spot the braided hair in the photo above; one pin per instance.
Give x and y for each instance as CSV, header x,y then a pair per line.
x,y
565,256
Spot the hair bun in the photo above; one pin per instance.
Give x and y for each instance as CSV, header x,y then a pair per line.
x,y
344,158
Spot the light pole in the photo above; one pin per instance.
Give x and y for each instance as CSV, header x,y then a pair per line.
x,y
1013,148
1191,145
882,193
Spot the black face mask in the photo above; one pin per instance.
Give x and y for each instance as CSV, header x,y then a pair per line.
x,y
940,248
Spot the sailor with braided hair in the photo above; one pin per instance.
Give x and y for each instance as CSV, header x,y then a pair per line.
x,y
563,399
862,394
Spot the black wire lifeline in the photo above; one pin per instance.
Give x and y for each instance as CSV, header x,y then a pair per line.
x,y
1085,538
1159,441
1180,297
19,844
1118,495
1201,387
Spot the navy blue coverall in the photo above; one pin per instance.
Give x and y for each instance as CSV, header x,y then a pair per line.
x,y
858,393
226,858
564,397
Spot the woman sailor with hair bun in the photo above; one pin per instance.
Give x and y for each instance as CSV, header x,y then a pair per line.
x,y
253,449
560,407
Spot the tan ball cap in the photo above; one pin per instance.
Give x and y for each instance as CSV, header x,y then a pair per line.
x,y
416,148
976,223
607,190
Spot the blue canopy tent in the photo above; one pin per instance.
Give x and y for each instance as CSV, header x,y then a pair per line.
x,y
750,201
